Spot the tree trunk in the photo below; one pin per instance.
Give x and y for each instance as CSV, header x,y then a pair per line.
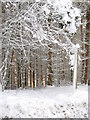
x,y
50,68
0,41
87,40
82,49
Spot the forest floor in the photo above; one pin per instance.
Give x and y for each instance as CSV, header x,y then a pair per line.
x,y
49,102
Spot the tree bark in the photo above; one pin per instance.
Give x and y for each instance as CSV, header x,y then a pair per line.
x,y
50,68
87,40
0,39
81,27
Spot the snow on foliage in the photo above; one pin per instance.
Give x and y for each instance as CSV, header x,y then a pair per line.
x,y
39,23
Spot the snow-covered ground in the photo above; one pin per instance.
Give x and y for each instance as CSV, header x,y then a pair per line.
x,y
49,102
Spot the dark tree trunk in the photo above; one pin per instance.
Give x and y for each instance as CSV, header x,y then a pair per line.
x,y
87,40
50,68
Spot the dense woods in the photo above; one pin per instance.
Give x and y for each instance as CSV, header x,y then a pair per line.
x,y
30,51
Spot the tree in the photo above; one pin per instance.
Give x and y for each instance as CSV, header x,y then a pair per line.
x,y
87,41
0,42
33,19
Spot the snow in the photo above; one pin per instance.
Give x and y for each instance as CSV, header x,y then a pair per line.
x,y
71,28
49,102
37,0
46,9
34,19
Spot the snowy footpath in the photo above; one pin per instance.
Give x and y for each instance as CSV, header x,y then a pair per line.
x,y
49,102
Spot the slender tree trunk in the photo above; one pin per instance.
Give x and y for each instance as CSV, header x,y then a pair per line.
x,y
28,76
19,75
82,49
44,74
36,69
25,75
30,71
39,69
50,68
87,40
11,72
0,41
15,70
33,78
